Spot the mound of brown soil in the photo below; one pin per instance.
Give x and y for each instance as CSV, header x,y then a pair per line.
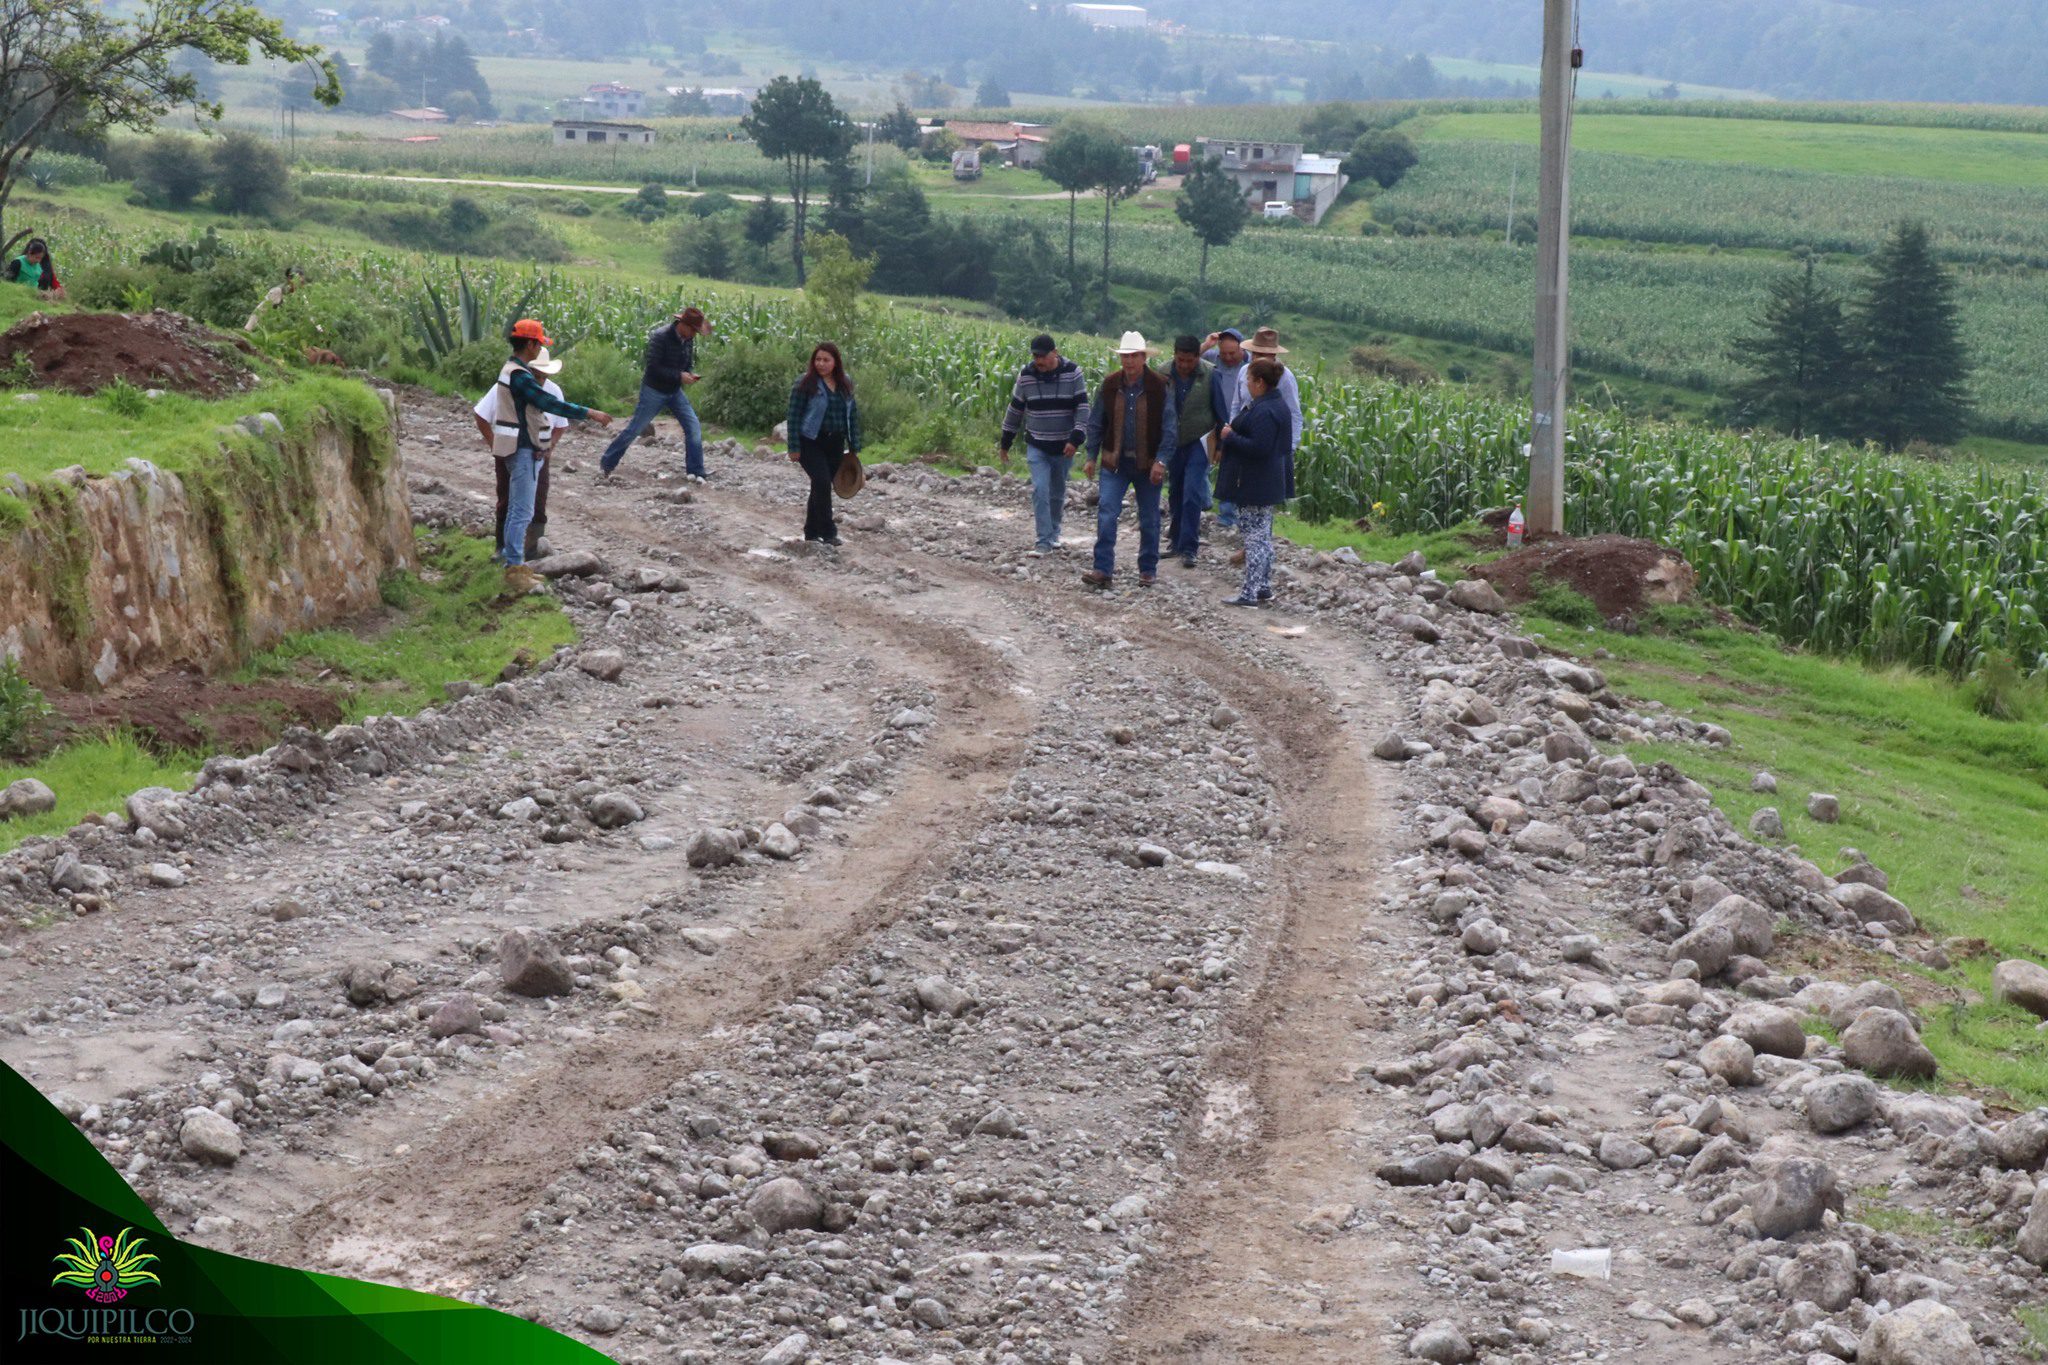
x,y
85,352
185,709
1621,576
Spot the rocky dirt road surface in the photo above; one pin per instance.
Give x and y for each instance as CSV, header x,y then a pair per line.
x,y
903,953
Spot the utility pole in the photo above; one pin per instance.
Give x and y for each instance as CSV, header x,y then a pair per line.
x,y
1545,506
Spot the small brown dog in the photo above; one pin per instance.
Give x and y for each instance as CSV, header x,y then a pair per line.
x,y
317,356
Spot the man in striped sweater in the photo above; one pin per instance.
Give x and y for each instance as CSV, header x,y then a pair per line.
x,y
1050,406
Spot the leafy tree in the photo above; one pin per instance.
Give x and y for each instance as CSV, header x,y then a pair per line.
x,y
1914,370
1225,88
900,127
991,94
1028,280
1798,357
464,220
647,203
796,122
688,103
84,67
1115,171
1383,155
1180,312
832,293
711,203
703,246
250,176
765,222
175,172
1213,206
1069,163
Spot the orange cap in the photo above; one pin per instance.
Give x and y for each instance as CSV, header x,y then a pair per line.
x,y
528,329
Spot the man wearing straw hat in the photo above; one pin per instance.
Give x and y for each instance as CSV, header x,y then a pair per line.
x,y
1131,428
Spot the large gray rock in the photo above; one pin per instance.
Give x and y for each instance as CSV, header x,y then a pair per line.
x,y
1442,1342
1842,1011
1883,1042
712,848
568,564
1768,1029
2022,983
1733,1060
1542,839
363,983
1476,594
206,1136
2022,1143
940,996
2033,1239
75,875
1824,1273
786,1204
614,810
1793,1197
160,811
1748,924
1823,808
1872,906
458,1014
1835,1104
780,843
1710,949
1924,1332
1767,824
606,665
26,797
533,966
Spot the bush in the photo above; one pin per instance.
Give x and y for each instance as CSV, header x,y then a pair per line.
x,y
474,368
885,412
1378,360
250,176
173,172
49,169
600,376
746,386
709,247
712,203
22,708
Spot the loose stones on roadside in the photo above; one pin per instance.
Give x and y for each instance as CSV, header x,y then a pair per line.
x,y
26,797
712,848
1768,1029
1823,1273
1767,824
1884,1043
459,1014
778,842
1732,1059
1442,1342
206,1136
1924,1332
786,1204
1872,906
1835,1104
2033,1238
532,966
614,810
1794,1196
1824,808
606,665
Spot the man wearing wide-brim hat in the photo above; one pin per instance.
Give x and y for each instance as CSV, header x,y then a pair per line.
x,y
1132,425
668,369
497,399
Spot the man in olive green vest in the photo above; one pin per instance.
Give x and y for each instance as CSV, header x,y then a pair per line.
x,y
1193,381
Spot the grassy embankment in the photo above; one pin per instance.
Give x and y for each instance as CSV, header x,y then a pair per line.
x,y
1948,800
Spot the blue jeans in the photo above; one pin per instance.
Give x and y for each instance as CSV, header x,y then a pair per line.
x,y
1048,491
1187,477
522,475
651,406
1112,484
1226,514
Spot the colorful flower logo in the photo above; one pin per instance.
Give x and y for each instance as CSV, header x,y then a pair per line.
x,y
106,1268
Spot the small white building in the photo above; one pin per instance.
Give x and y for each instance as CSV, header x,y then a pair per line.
x,y
1110,16
614,99
1279,172
597,133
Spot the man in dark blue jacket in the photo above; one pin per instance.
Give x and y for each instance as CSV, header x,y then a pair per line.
x,y
668,368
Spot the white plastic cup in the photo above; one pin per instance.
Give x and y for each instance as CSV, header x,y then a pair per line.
x,y
1588,1263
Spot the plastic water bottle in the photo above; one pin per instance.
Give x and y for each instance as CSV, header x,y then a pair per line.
x,y
1516,526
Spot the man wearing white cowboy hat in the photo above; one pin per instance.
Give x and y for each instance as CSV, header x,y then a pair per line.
x,y
487,412
1131,427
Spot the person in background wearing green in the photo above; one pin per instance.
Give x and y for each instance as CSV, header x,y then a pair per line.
x,y
34,268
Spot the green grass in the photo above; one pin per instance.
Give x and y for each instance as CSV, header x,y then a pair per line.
x,y
446,624
90,778
1873,1208
1950,803
1961,155
1592,84
2035,1320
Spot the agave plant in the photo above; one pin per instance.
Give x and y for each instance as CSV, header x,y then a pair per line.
x,y
477,314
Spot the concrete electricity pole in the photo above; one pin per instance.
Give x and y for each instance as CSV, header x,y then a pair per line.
x,y
1545,507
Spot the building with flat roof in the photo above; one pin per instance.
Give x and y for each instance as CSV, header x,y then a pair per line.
x,y
598,133
1278,172
1110,16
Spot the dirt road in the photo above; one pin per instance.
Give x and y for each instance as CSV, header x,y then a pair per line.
x,y
916,956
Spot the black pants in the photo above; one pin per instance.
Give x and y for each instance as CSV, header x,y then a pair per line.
x,y
820,459
540,507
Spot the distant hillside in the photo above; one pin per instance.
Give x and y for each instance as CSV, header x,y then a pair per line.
x,y
1958,50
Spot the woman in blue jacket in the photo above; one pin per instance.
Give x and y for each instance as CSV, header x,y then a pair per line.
x,y
1257,473
824,428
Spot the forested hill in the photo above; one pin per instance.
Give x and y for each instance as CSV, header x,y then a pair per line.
x,y
1960,50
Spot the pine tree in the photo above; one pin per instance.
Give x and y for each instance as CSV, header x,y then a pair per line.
x,y
1213,206
1913,369
1798,358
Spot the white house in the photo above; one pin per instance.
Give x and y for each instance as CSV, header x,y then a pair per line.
x,y
612,99
1110,16
597,133
1279,172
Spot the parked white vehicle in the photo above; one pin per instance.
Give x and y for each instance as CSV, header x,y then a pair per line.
x,y
1279,208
